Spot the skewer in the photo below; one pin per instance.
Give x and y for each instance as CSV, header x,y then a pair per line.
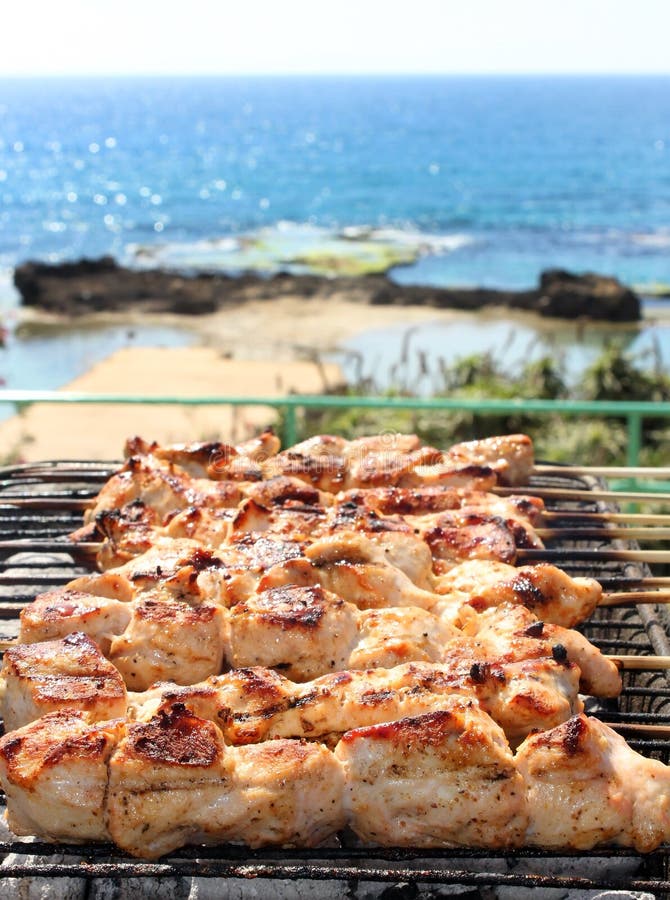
x,y
625,663
658,533
614,598
639,728
570,554
68,503
88,549
50,502
84,548
632,598
641,472
640,663
584,495
553,515
627,581
10,611
81,504
105,468
78,465
48,478
89,469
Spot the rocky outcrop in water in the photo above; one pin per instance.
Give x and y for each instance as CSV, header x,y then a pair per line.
x,y
87,286
568,295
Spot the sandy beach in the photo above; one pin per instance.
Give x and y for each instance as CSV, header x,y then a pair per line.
x,y
258,349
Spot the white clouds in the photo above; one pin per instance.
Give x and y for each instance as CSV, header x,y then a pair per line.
x,y
267,36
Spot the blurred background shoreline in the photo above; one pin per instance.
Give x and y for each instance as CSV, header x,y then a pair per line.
x,y
438,180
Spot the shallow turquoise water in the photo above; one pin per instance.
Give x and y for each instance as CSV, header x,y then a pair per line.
x,y
47,359
411,357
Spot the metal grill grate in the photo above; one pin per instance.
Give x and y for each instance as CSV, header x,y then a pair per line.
x,y
40,504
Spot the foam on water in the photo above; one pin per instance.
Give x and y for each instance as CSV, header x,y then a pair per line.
x,y
659,240
302,248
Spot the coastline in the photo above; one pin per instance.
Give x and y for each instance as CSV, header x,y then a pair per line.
x,y
98,431
291,328
102,284
256,349
285,328
263,346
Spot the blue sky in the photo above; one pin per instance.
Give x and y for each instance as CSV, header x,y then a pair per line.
x,y
45,37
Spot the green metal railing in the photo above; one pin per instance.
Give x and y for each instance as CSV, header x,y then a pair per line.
x,y
633,413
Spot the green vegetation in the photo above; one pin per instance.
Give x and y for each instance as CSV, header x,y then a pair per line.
x,y
615,375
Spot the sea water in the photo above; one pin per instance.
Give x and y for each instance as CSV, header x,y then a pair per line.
x,y
446,180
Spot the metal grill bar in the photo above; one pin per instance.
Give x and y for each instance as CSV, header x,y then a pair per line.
x,y
218,869
231,852
40,504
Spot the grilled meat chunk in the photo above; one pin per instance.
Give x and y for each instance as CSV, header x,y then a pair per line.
x,y
152,638
70,673
58,613
443,779
283,490
450,537
55,775
365,572
586,787
169,640
302,631
258,704
511,456
171,478
173,631
155,786
513,633
166,778
163,488
307,631
426,500
252,704
211,459
548,592
332,463
390,637
446,777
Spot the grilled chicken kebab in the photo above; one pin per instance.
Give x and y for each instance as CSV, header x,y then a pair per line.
x,y
213,474
169,478
389,571
455,524
446,778
180,613
334,463
255,704
340,565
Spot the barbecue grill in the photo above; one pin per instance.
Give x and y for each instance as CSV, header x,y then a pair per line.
x,y
41,503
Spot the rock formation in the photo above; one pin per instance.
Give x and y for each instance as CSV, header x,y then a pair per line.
x,y
86,286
